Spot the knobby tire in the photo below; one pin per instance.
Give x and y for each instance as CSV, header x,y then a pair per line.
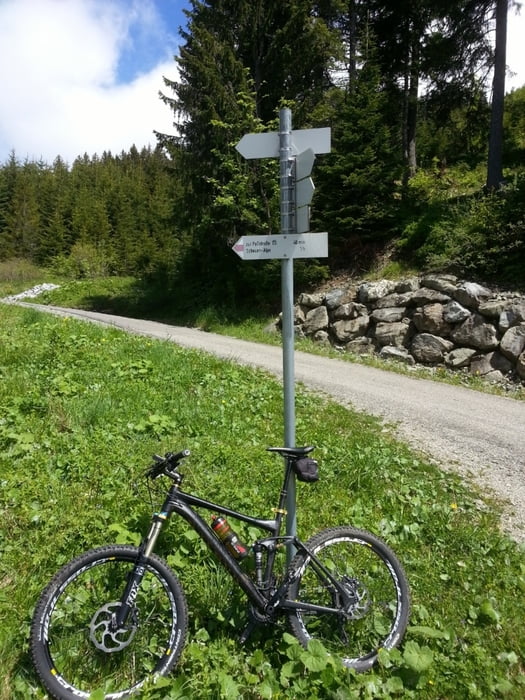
x,y
373,612
67,660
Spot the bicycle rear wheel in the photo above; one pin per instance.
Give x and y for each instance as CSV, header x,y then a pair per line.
x,y
73,645
373,607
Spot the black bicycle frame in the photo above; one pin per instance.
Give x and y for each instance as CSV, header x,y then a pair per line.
x,y
180,502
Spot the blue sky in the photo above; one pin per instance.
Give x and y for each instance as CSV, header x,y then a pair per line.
x,y
83,76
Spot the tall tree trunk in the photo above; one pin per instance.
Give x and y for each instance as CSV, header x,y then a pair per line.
x,y
411,87
495,157
352,47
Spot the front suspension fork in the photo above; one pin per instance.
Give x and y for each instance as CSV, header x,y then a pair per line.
x,y
127,602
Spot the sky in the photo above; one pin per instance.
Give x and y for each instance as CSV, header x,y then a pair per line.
x,y
83,76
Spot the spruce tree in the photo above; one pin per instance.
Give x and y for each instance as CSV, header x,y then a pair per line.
x,y
357,183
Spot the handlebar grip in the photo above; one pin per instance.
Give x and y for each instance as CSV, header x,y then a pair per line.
x,y
171,457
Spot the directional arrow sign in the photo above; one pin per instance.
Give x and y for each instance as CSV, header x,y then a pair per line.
x,y
302,219
304,189
309,245
304,164
316,139
266,144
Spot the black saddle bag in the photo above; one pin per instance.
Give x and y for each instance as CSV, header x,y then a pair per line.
x,y
306,469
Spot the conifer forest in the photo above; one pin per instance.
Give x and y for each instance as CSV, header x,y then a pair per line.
x,y
426,168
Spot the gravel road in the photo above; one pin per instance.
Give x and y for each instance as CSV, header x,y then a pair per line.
x,y
478,435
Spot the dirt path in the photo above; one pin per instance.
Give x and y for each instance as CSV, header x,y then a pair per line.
x,y
479,435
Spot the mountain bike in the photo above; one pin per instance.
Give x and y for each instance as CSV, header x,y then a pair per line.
x,y
115,618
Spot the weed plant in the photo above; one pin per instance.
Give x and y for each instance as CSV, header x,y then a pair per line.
x,y
82,410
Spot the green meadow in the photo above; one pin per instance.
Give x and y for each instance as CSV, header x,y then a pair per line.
x,y
83,408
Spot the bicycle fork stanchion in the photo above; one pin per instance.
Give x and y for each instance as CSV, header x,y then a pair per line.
x,y
138,571
287,281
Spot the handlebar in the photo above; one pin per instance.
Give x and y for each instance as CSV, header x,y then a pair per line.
x,y
165,465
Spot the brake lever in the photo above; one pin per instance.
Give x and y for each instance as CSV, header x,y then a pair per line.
x,y
166,464
155,470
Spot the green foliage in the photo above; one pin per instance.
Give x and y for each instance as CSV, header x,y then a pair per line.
x,y
18,272
481,235
356,200
84,407
453,127
102,215
514,126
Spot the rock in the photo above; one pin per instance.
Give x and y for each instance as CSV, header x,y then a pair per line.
x,y
299,314
513,342
425,296
408,285
372,291
453,312
495,377
475,333
397,299
33,292
430,348
391,352
321,338
471,294
389,315
349,310
335,298
311,301
272,328
430,319
397,334
492,361
350,329
361,346
520,366
316,320
512,316
459,357
440,283
492,309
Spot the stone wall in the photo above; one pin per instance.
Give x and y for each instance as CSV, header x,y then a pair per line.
x,y
429,320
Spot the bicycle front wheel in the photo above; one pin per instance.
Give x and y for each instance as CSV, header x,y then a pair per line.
x,y
370,603
74,645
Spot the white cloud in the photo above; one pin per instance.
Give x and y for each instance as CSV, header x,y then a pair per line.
x,y
59,62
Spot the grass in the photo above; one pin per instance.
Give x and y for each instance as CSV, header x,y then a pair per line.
x,y
84,407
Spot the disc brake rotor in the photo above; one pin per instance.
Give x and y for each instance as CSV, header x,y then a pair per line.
x,y
356,599
103,632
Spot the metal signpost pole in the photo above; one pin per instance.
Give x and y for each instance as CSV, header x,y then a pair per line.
x,y
296,152
288,228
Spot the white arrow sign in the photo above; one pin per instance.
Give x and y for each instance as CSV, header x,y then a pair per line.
x,y
309,245
304,164
266,144
304,189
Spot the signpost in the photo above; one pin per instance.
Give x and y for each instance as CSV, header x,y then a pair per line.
x,y
267,144
296,152
304,189
306,245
